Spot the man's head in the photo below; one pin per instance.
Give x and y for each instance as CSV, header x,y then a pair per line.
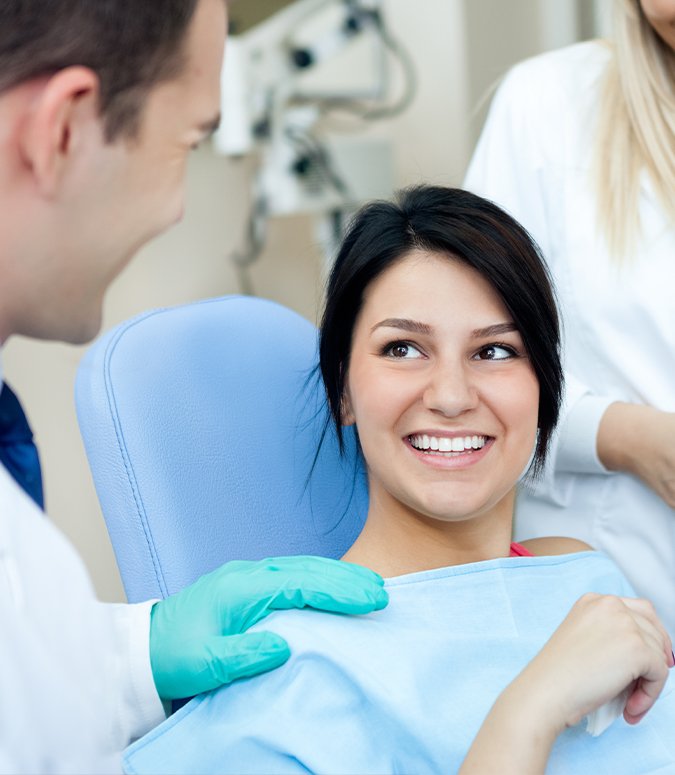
x,y
100,104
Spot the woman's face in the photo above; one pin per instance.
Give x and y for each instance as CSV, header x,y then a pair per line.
x,y
661,15
442,393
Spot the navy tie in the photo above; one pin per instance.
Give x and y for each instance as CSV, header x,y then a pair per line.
x,y
18,452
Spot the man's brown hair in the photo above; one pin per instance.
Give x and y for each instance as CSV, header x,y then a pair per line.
x,y
131,45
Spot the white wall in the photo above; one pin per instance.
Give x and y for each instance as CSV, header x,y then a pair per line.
x,y
459,46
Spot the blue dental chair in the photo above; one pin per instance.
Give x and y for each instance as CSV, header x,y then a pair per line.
x,y
201,425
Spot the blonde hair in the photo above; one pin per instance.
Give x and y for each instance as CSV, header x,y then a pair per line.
x,y
636,127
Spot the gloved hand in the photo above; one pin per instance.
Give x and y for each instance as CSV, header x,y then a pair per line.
x,y
197,639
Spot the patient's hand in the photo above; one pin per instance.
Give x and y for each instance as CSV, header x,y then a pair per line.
x,y
605,645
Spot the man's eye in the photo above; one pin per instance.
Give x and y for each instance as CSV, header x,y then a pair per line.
x,y
197,144
402,350
495,352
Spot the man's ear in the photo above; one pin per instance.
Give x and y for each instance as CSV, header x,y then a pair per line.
x,y
62,112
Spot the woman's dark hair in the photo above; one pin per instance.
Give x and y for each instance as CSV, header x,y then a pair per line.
x,y
131,45
467,228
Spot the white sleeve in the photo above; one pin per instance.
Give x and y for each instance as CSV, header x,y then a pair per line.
x,y
518,163
575,450
75,676
573,447
139,707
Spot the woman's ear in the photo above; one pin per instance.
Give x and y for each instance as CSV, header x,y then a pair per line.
x,y
63,111
346,407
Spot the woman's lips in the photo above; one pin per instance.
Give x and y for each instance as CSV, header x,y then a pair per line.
x,y
449,452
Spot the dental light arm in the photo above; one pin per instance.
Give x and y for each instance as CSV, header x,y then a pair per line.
x,y
278,86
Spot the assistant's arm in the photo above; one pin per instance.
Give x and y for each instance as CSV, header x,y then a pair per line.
x,y
640,440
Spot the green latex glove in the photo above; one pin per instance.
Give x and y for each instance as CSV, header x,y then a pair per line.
x,y
198,638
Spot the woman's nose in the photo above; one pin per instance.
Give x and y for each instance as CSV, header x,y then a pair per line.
x,y
450,390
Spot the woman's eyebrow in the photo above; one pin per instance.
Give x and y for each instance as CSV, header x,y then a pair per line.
x,y
494,330
414,326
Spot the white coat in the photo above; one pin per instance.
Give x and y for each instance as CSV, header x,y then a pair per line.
x,y
75,678
533,158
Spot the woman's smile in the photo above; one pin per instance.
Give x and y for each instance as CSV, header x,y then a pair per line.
x,y
443,451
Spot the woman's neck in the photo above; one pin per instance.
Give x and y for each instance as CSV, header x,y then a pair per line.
x,y
393,544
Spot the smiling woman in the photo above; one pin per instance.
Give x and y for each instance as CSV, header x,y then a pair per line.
x,y
439,342
426,378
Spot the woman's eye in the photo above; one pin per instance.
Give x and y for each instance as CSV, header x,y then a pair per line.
x,y
402,350
495,352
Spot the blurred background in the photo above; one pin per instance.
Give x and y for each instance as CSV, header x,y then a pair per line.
x,y
326,103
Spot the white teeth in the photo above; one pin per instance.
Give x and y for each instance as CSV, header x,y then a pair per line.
x,y
446,443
